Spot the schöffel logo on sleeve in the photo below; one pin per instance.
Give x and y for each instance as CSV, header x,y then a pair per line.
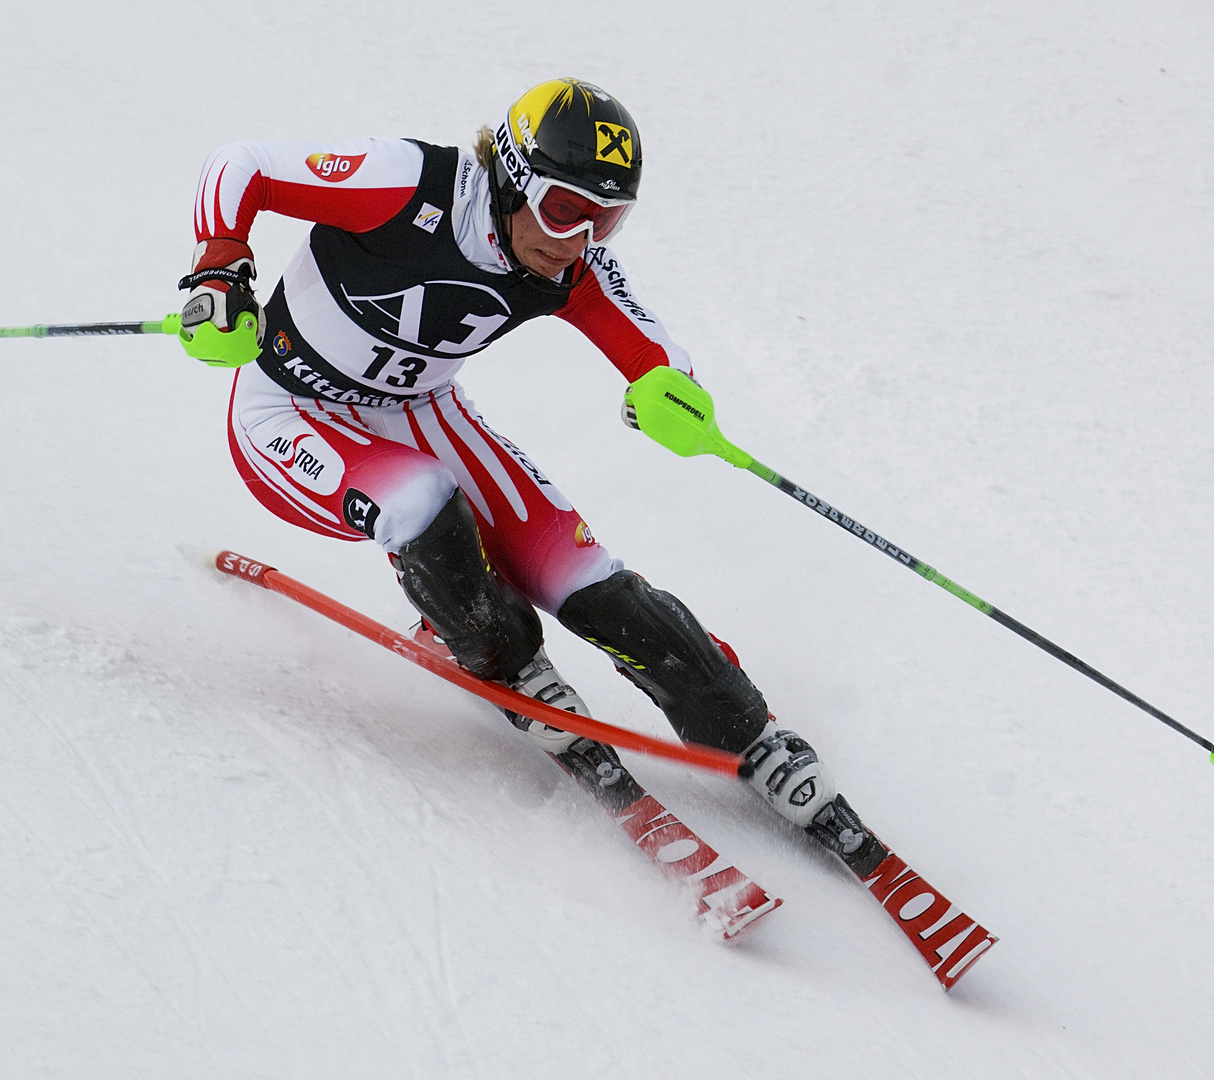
x,y
334,168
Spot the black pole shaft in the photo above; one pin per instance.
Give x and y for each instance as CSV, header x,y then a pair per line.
x,y
104,329
94,329
833,514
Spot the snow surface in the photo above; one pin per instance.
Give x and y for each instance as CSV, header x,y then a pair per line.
x,y
946,265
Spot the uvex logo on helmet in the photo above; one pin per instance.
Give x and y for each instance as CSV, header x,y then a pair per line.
x,y
335,168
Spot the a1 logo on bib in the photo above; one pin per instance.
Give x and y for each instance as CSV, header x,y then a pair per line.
x,y
428,217
440,318
614,144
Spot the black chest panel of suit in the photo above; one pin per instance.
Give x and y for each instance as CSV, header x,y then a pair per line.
x,y
421,305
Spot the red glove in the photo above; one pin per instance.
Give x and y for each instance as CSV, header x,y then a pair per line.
x,y
219,286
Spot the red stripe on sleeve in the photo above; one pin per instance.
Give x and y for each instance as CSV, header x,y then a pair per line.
x,y
353,209
623,342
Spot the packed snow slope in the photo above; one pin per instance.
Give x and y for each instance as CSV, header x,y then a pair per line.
x,y
949,266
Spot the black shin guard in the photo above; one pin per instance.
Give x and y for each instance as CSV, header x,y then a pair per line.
x,y
662,648
487,625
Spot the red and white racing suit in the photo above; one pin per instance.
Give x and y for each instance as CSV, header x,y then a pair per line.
x,y
351,423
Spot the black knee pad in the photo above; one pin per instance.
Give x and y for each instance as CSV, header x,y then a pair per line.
x,y
659,644
487,625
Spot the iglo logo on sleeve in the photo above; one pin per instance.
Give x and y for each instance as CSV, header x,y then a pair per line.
x,y
582,536
334,168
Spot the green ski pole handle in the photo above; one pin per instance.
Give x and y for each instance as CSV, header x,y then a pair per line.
x,y
218,348
676,412
206,342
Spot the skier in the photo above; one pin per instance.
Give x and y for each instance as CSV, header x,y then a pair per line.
x,y
351,423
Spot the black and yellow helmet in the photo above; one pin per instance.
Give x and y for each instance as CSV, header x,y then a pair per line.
x,y
569,130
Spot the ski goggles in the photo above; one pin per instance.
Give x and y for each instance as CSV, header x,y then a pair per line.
x,y
563,210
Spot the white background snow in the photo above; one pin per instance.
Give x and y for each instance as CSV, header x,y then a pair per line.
x,y
949,266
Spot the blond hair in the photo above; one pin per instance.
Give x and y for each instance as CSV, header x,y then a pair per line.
x,y
483,147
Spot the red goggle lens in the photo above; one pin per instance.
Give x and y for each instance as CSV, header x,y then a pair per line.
x,y
563,210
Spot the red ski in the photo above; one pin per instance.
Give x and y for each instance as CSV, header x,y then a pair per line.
x,y
727,901
947,938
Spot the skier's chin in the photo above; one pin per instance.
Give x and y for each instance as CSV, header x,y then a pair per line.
x,y
548,265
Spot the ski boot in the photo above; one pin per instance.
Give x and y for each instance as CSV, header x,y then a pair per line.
x,y
597,769
594,765
839,829
538,679
800,788
788,774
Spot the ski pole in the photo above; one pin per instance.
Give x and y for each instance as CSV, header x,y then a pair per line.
x,y
170,324
673,410
703,757
206,342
